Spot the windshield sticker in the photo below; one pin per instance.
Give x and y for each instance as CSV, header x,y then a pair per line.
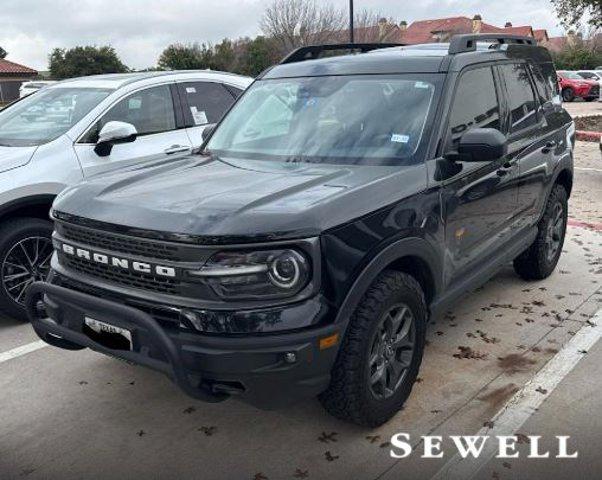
x,y
200,118
398,138
421,85
190,90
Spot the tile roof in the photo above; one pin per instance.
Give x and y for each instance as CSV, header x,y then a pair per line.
x,y
8,67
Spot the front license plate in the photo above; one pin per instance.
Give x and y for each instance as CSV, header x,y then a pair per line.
x,y
108,335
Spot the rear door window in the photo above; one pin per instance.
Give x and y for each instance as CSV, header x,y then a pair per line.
x,y
205,102
521,100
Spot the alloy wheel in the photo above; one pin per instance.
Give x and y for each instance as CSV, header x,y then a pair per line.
x,y
554,232
26,262
391,352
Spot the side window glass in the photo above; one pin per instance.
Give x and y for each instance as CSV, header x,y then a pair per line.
x,y
475,104
544,92
521,101
206,102
150,111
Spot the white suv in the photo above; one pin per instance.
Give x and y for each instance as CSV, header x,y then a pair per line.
x,y
86,126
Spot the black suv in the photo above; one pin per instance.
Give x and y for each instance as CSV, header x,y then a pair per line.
x,y
340,203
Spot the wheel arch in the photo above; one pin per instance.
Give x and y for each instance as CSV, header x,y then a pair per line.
x,y
36,206
565,178
413,256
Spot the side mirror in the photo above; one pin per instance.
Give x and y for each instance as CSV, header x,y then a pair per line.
x,y
482,145
114,133
208,131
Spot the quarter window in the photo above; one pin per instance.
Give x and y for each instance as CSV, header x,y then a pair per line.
x,y
475,104
207,102
521,101
543,89
150,111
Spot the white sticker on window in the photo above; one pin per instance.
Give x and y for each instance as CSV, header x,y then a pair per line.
x,y
421,85
190,90
397,138
200,118
134,103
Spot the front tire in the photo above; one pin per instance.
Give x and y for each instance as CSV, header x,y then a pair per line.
x,y
379,360
568,95
540,259
25,251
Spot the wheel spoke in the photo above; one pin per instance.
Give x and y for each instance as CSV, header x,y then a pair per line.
x,y
15,276
26,254
378,374
396,319
24,289
10,289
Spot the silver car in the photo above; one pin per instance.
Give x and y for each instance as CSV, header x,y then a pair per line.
x,y
87,126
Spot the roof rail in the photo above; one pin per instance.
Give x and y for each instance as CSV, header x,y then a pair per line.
x,y
468,42
312,52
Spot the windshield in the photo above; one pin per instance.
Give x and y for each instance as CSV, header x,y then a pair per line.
x,y
48,114
347,120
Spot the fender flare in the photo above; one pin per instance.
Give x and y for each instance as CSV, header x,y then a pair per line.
x,y
406,247
25,202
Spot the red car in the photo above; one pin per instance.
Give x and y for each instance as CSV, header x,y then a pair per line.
x,y
573,86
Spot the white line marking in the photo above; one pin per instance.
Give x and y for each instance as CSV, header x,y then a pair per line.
x,y
22,350
588,169
524,404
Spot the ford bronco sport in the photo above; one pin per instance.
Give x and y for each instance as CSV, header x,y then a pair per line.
x,y
340,203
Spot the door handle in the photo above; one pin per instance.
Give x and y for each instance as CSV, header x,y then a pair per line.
x,y
549,146
176,149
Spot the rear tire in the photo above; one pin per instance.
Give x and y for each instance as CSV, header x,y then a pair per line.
x,y
568,94
20,266
378,362
541,258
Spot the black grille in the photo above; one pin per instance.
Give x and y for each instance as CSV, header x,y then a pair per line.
x,y
106,241
123,277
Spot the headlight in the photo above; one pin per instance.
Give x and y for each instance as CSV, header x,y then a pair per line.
x,y
257,274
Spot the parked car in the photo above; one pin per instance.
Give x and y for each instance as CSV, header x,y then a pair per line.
x,y
595,75
27,88
574,86
339,204
86,126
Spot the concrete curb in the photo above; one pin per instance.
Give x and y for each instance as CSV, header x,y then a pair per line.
x,y
585,136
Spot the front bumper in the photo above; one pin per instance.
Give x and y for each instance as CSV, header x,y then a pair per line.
x,y
258,368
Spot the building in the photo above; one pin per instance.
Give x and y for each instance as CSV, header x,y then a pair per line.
x,y
437,30
12,75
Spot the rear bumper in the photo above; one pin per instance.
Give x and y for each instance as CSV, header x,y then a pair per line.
x,y
209,368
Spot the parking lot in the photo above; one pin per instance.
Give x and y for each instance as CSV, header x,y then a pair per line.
x,y
84,415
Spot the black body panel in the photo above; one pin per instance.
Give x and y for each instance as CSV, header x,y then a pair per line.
x,y
449,220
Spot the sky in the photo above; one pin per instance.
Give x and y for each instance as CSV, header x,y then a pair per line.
x,y
140,29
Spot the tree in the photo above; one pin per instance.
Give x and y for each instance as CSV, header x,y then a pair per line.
x,y
260,55
292,23
82,61
373,27
571,12
3,53
577,57
179,56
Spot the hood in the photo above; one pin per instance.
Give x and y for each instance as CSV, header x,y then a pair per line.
x,y
224,197
13,157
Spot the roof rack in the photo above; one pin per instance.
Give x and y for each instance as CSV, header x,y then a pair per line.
x,y
468,42
312,52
